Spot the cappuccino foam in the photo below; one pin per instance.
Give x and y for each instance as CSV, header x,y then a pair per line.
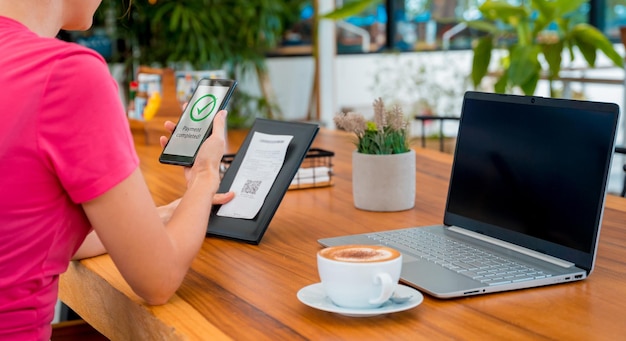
x,y
360,253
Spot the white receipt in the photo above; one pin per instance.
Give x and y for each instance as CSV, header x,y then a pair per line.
x,y
256,175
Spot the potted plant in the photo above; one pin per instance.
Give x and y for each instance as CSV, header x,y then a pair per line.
x,y
383,164
529,31
234,35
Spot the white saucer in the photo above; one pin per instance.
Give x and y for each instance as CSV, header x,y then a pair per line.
x,y
315,297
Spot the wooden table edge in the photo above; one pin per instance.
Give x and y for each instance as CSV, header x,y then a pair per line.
x,y
83,289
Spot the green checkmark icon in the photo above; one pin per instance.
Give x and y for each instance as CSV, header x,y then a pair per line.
x,y
203,107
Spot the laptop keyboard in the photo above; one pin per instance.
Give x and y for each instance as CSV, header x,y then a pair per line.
x,y
459,257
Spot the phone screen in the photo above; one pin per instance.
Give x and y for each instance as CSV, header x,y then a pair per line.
x,y
195,124
196,120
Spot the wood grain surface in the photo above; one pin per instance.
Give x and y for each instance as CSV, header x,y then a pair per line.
x,y
248,292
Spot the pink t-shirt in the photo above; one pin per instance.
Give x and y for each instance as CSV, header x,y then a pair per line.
x,y
64,140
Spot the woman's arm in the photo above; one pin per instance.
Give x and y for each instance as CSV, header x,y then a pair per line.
x,y
153,257
92,246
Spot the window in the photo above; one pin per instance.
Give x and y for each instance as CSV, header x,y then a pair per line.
x,y
423,25
609,16
432,24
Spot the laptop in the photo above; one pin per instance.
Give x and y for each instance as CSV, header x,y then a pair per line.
x,y
525,198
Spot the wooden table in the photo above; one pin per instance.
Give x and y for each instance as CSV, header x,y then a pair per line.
x,y
240,291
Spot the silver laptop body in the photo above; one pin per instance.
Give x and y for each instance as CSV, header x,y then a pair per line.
x,y
525,198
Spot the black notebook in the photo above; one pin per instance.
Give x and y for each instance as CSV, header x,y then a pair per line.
x,y
252,230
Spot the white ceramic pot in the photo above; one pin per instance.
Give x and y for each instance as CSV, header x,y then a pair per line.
x,y
383,182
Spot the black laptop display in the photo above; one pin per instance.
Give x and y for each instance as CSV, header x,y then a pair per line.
x,y
533,171
525,200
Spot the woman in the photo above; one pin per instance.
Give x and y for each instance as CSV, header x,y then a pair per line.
x,y
68,167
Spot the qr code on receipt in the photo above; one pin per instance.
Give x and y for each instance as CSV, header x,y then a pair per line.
x,y
251,186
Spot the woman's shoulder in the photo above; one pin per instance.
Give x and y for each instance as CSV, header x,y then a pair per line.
x,y
24,44
48,53
60,50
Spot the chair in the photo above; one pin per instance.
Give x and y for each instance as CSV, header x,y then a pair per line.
x,y
72,328
441,120
622,150
75,330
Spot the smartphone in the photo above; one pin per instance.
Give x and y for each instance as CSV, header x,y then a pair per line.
x,y
196,122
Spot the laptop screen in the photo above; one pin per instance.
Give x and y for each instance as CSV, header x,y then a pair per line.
x,y
533,171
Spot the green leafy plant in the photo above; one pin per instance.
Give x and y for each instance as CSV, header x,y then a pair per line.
x,y
533,29
234,35
387,133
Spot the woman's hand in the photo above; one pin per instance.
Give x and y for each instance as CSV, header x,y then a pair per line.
x,y
166,211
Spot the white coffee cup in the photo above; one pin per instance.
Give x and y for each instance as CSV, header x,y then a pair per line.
x,y
359,276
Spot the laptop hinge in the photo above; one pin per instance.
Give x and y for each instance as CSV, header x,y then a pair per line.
x,y
516,248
